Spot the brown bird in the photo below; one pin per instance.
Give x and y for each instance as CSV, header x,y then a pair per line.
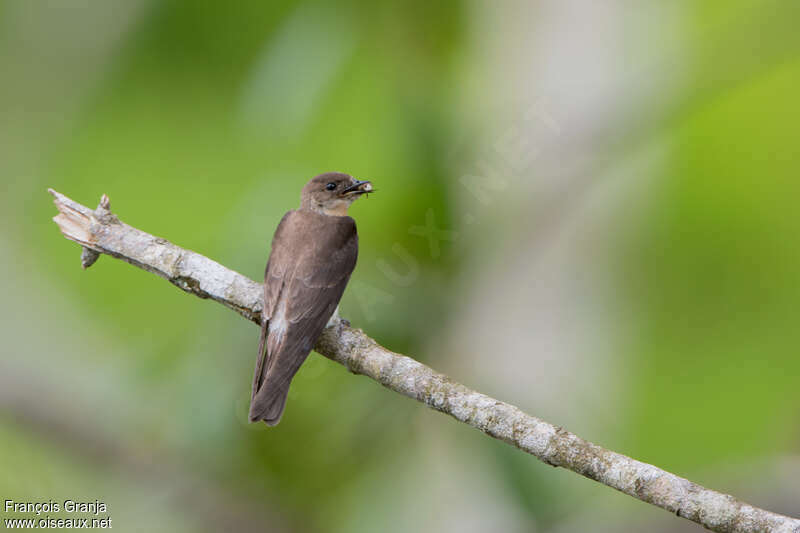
x,y
314,251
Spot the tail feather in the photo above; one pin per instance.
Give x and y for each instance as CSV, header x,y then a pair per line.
x,y
270,389
262,363
269,405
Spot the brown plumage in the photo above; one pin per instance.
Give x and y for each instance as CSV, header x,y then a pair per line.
x,y
314,251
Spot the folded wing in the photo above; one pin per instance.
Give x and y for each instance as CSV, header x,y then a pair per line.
x,y
310,264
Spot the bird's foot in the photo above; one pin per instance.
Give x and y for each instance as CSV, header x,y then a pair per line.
x,y
343,323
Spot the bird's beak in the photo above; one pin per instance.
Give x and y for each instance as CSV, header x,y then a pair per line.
x,y
359,187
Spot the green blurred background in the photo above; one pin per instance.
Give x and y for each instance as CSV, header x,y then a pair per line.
x,y
587,209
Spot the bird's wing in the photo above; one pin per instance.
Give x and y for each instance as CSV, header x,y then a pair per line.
x,y
303,286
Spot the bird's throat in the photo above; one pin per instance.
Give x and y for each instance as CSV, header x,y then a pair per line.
x,y
339,210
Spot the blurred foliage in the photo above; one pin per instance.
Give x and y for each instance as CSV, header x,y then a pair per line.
x,y
202,121
721,283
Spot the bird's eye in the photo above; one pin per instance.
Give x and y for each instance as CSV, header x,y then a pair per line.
x,y
331,186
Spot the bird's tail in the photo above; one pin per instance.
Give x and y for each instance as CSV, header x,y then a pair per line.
x,y
267,400
269,405
262,363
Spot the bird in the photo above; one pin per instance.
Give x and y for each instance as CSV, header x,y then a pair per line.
x,y
314,251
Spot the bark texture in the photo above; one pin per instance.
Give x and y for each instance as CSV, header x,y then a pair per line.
x,y
101,232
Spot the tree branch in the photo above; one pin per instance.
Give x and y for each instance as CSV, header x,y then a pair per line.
x,y
101,232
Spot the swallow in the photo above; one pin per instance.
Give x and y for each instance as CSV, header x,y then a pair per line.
x,y
314,252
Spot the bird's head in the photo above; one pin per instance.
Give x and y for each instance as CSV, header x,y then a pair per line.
x,y
333,192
